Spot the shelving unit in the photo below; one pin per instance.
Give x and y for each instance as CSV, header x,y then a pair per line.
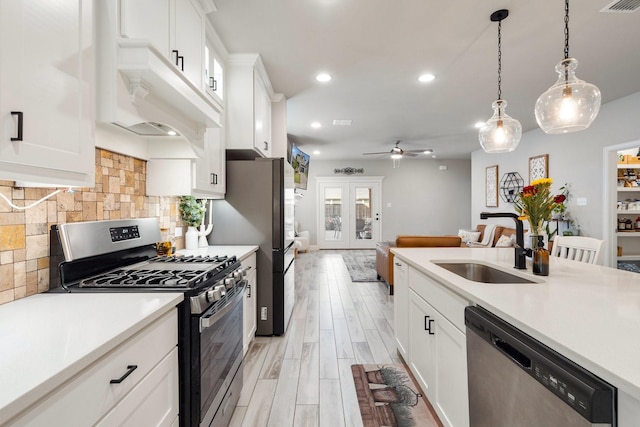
x,y
629,241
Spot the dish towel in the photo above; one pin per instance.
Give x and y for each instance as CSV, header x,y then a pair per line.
x,y
487,239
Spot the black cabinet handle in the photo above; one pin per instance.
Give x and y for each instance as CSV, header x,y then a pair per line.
x,y
214,179
248,290
213,84
20,119
266,145
130,369
427,325
179,59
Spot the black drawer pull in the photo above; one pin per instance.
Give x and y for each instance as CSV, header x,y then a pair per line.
x,y
214,179
20,118
248,290
213,84
130,369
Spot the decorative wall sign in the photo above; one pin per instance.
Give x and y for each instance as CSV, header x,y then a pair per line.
x,y
538,167
510,185
348,171
491,186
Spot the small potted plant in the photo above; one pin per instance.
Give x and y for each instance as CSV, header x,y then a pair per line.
x,y
192,213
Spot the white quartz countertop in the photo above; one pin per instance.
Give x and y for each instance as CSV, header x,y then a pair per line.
x,y
588,313
239,251
46,339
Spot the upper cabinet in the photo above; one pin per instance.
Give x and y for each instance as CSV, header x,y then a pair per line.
x,y
151,67
46,92
248,104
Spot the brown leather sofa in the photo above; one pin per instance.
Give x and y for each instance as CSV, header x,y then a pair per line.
x,y
384,257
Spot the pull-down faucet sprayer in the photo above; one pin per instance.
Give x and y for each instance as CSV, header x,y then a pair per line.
x,y
520,252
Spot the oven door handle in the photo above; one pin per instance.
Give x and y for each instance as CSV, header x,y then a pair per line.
x,y
207,321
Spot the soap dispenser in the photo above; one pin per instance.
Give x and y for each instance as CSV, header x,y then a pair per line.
x,y
541,258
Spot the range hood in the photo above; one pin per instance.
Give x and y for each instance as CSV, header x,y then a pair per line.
x,y
140,90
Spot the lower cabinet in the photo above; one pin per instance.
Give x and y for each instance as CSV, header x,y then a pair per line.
x,y
400,312
250,303
436,341
136,383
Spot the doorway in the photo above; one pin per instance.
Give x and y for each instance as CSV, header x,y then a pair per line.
x,y
349,212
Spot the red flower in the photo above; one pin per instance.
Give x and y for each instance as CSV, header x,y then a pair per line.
x,y
529,190
559,198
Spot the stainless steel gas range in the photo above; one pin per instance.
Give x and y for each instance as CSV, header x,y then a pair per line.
x,y
120,256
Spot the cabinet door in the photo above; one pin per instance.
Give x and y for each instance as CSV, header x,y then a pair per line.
x,y
422,351
250,307
46,92
451,402
401,307
210,167
262,118
137,22
189,40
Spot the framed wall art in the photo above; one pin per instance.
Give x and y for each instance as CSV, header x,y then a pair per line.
x,y
538,167
491,186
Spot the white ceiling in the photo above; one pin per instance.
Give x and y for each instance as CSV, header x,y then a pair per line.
x,y
376,49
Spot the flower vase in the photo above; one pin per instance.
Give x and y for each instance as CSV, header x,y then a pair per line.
x,y
191,238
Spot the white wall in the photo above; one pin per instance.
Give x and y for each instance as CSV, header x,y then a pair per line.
x,y
423,198
576,158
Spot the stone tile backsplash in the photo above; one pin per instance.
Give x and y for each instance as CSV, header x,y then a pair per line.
x,y
24,234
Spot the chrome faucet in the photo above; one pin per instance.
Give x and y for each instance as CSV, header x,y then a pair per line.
x,y
520,252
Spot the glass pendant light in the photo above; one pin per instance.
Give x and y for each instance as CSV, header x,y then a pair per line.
x,y
501,133
570,105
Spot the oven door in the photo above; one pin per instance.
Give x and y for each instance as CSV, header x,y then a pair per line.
x,y
220,360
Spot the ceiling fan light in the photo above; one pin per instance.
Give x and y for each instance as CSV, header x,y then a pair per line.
x,y
501,133
396,156
570,105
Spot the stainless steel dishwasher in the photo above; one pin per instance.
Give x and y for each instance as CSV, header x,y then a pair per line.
x,y
516,381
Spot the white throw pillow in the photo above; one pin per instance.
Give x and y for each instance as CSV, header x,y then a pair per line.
x,y
469,236
505,241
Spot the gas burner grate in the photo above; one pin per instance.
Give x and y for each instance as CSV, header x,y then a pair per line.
x,y
192,259
143,279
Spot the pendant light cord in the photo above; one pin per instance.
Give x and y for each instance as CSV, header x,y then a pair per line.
x,y
500,59
566,29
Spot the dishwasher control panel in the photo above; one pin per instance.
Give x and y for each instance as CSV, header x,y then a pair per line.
x,y
572,395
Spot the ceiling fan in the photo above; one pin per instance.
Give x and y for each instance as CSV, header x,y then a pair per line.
x,y
397,153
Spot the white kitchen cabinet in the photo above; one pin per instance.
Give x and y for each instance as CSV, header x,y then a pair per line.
x,y
146,366
400,304
47,92
248,104
250,303
174,27
430,335
209,169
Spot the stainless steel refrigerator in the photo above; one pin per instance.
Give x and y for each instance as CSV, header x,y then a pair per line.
x,y
258,210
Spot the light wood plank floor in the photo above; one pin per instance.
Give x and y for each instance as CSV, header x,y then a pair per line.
x,y
304,377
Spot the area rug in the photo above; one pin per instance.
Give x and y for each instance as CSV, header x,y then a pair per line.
x,y
387,396
361,265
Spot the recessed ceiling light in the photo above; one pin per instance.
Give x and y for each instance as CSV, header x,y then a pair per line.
x,y
323,77
316,125
478,125
434,156
428,151
342,122
316,152
428,77
172,133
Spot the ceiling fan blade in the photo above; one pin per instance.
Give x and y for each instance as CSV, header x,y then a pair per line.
x,y
419,151
382,152
410,154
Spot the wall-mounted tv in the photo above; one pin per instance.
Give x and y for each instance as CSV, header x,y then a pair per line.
x,y
300,162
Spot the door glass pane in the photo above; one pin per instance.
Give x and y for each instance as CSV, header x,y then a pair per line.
x,y
333,213
362,211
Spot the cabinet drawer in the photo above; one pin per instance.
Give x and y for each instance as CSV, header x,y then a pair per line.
x,y
249,261
449,304
153,402
89,395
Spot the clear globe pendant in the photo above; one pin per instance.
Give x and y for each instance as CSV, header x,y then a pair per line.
x,y
570,105
501,133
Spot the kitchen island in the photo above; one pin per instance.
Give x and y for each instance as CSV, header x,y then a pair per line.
x,y
588,313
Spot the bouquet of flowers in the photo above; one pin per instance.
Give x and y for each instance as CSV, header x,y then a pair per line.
x,y
536,204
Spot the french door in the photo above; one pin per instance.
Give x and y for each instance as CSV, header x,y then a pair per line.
x,y
349,212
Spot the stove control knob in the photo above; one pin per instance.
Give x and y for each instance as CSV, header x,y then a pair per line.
x,y
229,282
238,274
211,295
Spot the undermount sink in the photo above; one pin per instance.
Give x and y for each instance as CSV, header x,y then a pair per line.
x,y
483,273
